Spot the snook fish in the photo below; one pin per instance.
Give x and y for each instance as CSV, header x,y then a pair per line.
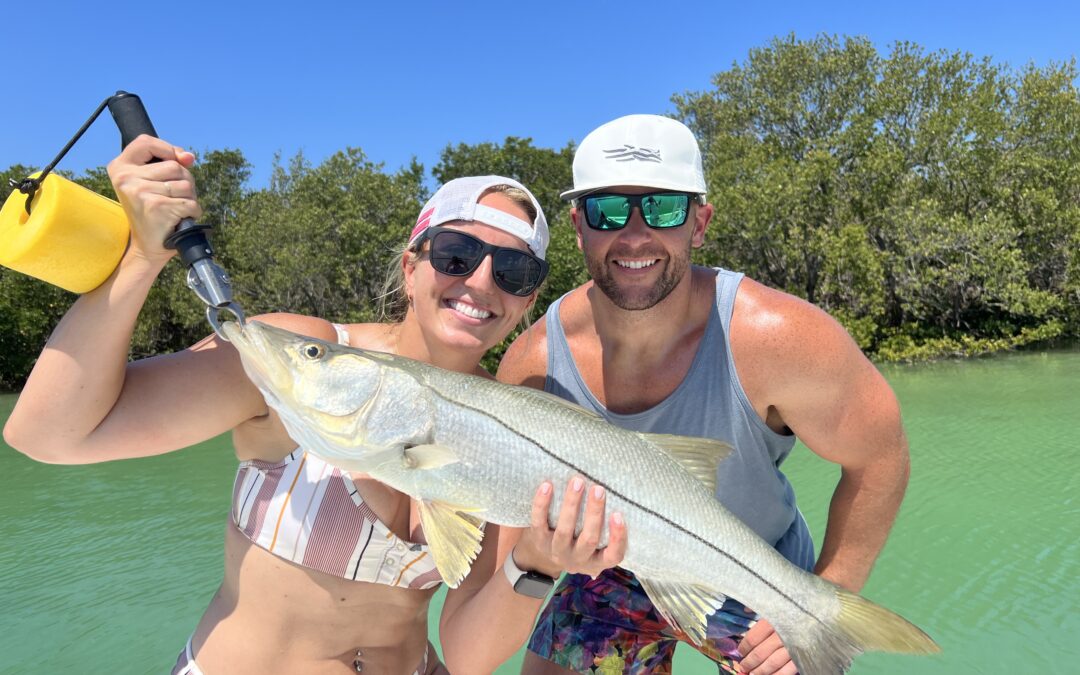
x,y
469,449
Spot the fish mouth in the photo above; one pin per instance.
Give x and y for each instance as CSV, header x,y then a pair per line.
x,y
263,360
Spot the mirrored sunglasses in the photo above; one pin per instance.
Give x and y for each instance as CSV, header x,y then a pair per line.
x,y
659,210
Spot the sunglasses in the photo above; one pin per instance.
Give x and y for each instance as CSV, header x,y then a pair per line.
x,y
457,254
659,210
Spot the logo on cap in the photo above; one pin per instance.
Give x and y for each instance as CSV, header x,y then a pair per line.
x,y
629,152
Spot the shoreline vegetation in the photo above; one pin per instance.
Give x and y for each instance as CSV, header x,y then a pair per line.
x,y
930,202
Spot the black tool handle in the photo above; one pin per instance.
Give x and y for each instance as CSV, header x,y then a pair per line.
x,y
130,116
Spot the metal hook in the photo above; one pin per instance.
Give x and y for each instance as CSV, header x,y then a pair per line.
x,y
213,316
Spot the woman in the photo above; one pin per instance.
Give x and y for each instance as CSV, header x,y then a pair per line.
x,y
324,572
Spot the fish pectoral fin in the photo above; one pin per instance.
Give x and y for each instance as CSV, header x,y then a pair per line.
x,y
430,456
454,539
699,456
685,606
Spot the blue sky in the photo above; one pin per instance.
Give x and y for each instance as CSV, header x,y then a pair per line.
x,y
404,79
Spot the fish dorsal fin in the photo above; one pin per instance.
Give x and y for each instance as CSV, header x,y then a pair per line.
x,y
699,456
685,606
427,457
454,539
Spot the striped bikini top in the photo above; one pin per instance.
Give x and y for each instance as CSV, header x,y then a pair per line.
x,y
310,513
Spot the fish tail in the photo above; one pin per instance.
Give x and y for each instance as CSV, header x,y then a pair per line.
x,y
861,625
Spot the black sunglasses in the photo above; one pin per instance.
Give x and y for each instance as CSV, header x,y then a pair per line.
x,y
457,254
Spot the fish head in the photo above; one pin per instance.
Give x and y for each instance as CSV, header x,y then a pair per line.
x,y
317,388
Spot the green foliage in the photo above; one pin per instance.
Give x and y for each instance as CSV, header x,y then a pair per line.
x,y
318,241
928,201
29,309
916,345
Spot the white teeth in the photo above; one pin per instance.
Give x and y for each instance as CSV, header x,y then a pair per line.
x,y
469,310
635,264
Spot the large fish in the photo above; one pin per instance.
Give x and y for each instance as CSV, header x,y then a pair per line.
x,y
470,449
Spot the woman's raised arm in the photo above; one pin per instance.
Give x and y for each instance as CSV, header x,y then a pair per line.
x,y
83,401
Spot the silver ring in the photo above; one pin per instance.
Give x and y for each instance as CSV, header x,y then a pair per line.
x,y
168,188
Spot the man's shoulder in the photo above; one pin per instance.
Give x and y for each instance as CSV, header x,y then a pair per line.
x,y
769,308
525,360
576,312
783,327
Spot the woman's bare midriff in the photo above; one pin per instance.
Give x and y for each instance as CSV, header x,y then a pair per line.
x,y
272,616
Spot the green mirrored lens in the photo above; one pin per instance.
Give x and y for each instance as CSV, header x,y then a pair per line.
x,y
664,210
607,213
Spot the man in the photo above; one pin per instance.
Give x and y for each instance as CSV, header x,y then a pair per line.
x,y
656,344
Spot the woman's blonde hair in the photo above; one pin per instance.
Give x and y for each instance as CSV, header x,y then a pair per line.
x,y
394,300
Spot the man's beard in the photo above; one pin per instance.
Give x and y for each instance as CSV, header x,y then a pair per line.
x,y
636,299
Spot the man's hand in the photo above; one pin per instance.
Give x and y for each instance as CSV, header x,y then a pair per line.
x,y
553,551
764,653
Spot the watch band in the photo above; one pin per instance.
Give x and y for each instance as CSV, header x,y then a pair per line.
x,y
531,584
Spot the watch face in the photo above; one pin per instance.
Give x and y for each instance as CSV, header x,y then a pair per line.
x,y
533,585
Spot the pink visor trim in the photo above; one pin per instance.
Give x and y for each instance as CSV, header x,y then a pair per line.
x,y
421,224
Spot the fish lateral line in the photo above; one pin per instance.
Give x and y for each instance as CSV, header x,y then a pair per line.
x,y
630,501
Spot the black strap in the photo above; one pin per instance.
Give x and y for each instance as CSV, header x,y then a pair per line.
x,y
29,186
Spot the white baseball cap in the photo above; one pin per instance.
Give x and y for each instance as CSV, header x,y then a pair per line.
x,y
457,200
641,151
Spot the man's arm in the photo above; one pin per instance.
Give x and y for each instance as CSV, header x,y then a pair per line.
x,y
840,406
801,370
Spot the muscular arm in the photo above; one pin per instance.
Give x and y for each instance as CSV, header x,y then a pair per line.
x,y
801,369
862,433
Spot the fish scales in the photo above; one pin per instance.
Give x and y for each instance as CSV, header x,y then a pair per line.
x,y
669,538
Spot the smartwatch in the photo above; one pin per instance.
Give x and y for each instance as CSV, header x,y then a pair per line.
x,y
531,584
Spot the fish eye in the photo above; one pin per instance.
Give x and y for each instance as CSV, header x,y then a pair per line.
x,y
313,351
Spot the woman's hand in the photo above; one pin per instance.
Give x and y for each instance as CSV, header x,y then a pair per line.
x,y
551,552
155,196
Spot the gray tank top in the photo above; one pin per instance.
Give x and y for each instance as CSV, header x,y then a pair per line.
x,y
709,402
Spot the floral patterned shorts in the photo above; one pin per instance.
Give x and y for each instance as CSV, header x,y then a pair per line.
x,y
608,626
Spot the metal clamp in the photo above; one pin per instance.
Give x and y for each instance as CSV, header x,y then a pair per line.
x,y
213,287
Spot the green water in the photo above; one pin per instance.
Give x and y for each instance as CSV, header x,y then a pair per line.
x,y
107,568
